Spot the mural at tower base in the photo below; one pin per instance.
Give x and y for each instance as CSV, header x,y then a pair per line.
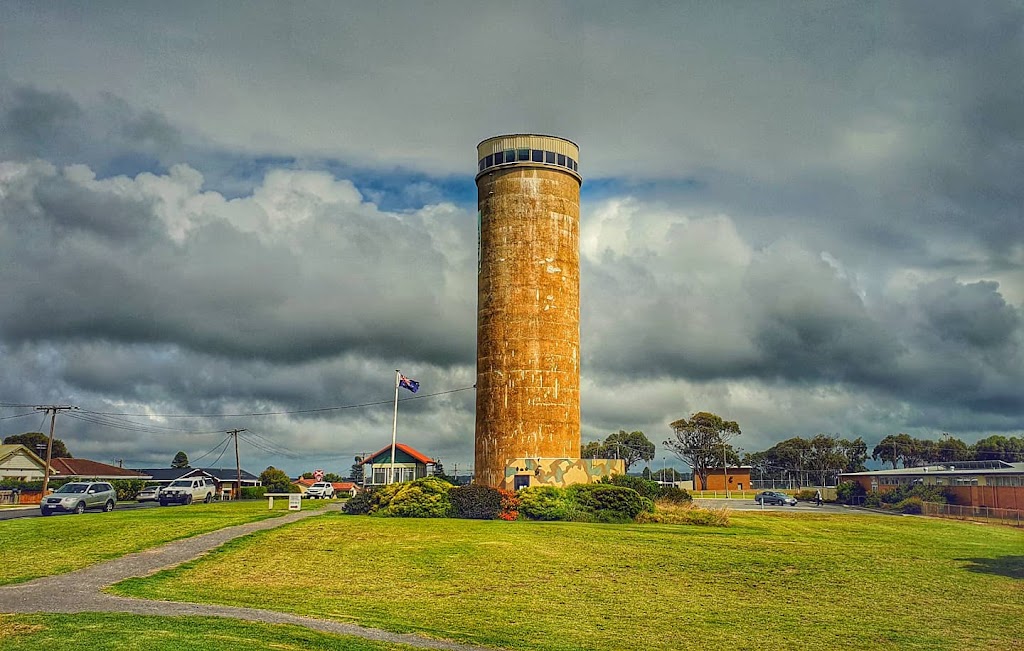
x,y
533,471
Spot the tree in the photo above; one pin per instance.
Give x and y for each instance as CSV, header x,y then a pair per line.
x,y
180,460
631,447
32,439
895,448
826,458
592,450
355,474
700,441
953,449
332,477
999,448
275,480
856,453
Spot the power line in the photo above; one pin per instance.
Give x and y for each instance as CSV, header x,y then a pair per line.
x,y
214,449
27,413
130,426
285,412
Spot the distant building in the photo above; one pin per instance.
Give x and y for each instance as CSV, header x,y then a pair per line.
x,y
737,478
996,484
224,478
410,464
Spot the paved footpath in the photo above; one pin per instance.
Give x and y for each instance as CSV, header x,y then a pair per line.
x,y
81,591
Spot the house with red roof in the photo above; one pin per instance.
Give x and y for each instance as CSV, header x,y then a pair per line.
x,y
66,468
409,464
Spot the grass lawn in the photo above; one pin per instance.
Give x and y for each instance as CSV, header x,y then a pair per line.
x,y
771,580
35,547
104,631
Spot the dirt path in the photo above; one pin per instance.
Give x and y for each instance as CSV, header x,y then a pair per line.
x,y
81,591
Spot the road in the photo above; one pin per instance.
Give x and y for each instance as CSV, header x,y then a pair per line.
x,y
33,511
801,507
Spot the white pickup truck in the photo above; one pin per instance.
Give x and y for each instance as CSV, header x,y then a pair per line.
x,y
186,491
321,489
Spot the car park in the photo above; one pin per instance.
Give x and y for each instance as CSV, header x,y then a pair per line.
x,y
77,496
149,493
188,490
775,497
321,489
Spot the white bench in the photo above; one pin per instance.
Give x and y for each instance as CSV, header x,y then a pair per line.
x,y
293,503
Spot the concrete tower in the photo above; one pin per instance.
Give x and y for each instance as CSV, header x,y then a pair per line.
x,y
528,302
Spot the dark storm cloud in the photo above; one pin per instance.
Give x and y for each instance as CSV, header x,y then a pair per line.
x,y
346,278
974,315
107,134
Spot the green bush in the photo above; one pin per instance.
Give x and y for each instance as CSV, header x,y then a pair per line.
x,y
8,484
646,487
128,489
543,503
475,502
849,492
608,503
912,505
873,499
361,503
253,492
423,498
673,495
895,498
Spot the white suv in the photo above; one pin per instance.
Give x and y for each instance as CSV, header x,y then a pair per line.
x,y
188,490
320,489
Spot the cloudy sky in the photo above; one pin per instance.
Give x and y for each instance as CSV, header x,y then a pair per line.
x,y
806,217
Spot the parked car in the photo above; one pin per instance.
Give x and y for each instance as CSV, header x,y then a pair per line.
x,y
149,493
188,490
775,497
77,496
321,489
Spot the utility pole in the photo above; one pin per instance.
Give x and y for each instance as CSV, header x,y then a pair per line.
x,y
238,464
52,410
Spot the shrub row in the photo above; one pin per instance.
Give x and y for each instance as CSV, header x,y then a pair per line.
x,y
652,490
906,499
433,498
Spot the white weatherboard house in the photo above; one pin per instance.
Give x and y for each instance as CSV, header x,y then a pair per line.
x,y
20,463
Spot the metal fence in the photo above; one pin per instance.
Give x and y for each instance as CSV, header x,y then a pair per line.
x,y
974,513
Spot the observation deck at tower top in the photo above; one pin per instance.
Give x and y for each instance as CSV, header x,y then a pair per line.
x,y
528,150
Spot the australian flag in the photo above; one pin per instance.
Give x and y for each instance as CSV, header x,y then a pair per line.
x,y
406,383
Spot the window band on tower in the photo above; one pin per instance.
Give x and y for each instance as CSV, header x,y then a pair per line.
x,y
541,156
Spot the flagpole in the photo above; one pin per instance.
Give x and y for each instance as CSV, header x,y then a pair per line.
x,y
394,429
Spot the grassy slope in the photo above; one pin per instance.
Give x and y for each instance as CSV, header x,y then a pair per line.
x,y
783,580
35,547
112,632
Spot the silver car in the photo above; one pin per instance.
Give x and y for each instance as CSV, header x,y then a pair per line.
x,y
77,496
149,494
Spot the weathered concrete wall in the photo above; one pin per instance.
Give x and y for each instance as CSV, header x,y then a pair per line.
x,y
561,472
528,372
